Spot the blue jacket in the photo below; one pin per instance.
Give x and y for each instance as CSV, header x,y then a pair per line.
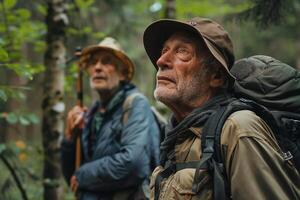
x,y
122,154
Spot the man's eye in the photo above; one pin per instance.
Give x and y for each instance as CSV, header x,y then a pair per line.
x,y
184,54
182,50
93,61
163,51
106,60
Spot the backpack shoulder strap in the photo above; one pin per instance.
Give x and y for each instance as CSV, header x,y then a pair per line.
x,y
211,140
211,147
128,104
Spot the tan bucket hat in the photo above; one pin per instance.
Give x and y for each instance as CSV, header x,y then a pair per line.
x,y
213,35
111,45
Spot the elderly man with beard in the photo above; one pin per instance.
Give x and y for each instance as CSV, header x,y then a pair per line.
x,y
118,153
193,59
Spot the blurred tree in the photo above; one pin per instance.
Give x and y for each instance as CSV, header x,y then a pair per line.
x,y
53,105
266,12
170,11
275,23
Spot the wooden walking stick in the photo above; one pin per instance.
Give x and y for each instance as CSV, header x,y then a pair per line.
x,y
79,91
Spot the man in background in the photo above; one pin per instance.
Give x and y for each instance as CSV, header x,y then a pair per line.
x,y
120,138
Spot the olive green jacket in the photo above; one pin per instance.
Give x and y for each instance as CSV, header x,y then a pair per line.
x,y
253,162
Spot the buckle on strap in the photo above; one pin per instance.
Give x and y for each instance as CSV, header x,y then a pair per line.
x,y
287,155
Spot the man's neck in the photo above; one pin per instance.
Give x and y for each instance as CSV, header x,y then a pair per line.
x,y
106,96
181,110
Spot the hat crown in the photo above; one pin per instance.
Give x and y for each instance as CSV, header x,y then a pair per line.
x,y
110,45
216,34
110,42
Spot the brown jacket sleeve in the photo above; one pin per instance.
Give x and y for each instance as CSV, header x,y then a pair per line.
x,y
253,160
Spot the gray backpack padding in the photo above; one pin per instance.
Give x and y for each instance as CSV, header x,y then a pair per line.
x,y
276,86
269,82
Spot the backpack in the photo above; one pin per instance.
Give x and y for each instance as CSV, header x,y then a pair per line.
x,y
159,120
269,88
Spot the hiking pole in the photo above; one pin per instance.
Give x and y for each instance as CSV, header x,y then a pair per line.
x,y
79,91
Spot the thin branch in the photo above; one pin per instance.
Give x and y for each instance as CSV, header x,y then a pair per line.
x,y
16,178
266,12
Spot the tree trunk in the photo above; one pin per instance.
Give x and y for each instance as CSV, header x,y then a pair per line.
x,y
53,105
297,44
170,11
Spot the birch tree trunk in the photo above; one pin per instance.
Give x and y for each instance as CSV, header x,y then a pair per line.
x,y
53,92
170,11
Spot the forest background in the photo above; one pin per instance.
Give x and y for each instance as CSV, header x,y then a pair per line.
x,y
38,71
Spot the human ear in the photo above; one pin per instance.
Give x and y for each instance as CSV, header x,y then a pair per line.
x,y
216,79
122,77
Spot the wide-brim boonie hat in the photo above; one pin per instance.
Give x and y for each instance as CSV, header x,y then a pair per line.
x,y
111,45
213,35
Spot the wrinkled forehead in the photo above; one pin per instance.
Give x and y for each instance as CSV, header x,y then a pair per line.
x,y
102,53
183,38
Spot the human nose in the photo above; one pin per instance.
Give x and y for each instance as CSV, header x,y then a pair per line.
x,y
164,60
98,66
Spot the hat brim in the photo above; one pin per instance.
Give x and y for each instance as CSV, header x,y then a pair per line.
x,y
158,32
119,54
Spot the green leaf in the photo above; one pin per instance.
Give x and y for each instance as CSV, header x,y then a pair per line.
x,y
2,147
33,118
21,69
42,9
8,4
3,55
19,95
39,46
87,30
3,95
12,118
83,4
24,121
23,13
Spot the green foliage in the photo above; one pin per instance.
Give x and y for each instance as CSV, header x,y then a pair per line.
x,y
18,31
208,8
9,3
267,12
24,118
41,9
14,92
11,118
3,56
3,95
2,147
84,4
25,69
71,77
25,159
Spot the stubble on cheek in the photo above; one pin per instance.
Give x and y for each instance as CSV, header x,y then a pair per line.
x,y
165,93
157,94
